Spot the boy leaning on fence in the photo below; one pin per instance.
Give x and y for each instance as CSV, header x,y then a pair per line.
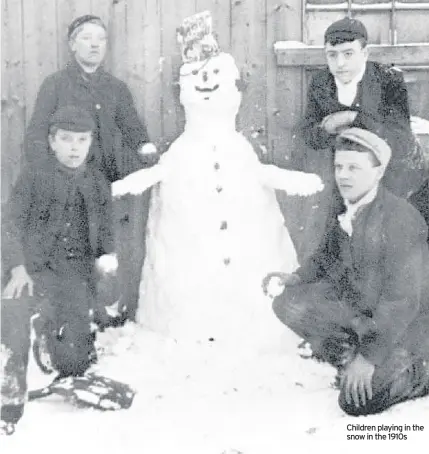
x,y
56,238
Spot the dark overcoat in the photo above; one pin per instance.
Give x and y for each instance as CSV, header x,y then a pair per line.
x,y
382,107
119,130
33,216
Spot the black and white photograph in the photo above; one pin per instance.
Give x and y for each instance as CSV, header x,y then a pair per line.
x,y
214,226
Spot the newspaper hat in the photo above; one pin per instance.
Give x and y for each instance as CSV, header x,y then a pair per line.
x,y
195,37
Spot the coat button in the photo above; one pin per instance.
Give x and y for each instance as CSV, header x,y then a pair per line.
x,y
97,106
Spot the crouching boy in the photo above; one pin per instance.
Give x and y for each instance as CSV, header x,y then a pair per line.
x,y
57,235
359,300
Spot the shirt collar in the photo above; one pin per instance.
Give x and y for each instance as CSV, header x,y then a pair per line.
x,y
352,210
365,200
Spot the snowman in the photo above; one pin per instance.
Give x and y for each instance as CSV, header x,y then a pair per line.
x,y
215,228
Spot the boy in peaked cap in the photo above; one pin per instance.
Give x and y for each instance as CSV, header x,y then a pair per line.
x,y
355,92
360,300
56,236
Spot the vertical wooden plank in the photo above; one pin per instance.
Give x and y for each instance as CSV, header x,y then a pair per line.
x,y
41,45
13,94
144,70
221,13
117,60
249,47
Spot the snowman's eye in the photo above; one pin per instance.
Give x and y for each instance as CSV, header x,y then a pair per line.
x,y
194,72
216,71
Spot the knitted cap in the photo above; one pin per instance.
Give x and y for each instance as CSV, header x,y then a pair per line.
x,y
72,118
346,29
83,20
370,141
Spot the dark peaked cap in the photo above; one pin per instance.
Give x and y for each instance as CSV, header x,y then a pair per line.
x,y
346,28
72,118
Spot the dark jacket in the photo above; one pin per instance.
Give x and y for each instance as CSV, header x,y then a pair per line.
x,y
34,214
388,269
382,106
119,132
420,200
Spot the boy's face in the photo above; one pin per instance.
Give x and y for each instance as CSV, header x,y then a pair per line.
x,y
71,148
89,44
346,60
356,174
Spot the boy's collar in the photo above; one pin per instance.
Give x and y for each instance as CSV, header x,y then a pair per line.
x,y
365,200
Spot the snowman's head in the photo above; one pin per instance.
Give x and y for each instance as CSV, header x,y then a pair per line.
x,y
210,85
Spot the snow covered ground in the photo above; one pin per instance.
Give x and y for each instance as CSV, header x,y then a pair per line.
x,y
206,398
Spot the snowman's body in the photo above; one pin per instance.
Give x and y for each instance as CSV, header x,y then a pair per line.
x,y
215,228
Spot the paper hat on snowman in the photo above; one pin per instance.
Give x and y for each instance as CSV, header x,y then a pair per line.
x,y
195,37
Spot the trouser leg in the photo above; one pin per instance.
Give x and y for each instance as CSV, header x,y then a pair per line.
x,y
65,321
312,314
15,345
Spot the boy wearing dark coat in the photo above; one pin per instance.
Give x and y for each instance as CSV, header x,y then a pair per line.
x,y
354,92
360,300
56,236
120,143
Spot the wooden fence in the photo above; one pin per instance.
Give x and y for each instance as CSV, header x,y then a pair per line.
x,y
142,51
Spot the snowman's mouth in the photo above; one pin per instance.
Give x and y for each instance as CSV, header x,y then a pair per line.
x,y
206,89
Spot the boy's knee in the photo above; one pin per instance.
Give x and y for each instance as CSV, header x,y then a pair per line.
x,y
288,310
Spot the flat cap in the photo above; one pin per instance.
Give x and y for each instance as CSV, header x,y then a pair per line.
x,y
83,20
370,141
346,29
72,118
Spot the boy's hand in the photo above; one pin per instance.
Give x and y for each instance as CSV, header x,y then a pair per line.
x,y
357,381
107,264
273,283
19,280
336,121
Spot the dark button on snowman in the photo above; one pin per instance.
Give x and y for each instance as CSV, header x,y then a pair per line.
x,y
215,228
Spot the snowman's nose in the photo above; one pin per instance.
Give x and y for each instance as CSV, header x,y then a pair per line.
x,y
205,77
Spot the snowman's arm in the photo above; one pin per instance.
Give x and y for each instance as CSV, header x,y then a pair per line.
x,y
137,182
292,182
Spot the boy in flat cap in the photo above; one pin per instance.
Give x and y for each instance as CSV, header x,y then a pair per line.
x,y
355,92
56,236
120,143
360,300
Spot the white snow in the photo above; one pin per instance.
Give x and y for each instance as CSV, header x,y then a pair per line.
x,y
206,398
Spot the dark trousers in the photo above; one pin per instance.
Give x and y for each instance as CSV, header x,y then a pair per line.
x,y
313,313
62,299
